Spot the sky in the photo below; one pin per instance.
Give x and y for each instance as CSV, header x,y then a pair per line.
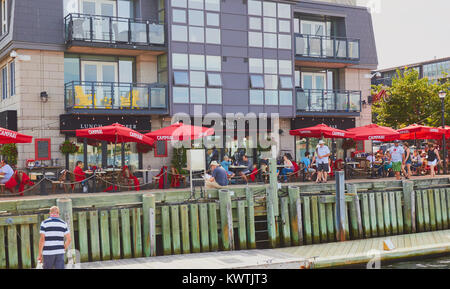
x,y
410,31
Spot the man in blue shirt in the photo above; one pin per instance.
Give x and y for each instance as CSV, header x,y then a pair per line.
x,y
219,177
307,162
225,165
6,171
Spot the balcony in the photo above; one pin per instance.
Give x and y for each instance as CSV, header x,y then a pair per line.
x,y
113,32
329,49
115,98
318,101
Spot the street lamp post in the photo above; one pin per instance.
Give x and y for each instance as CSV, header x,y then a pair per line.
x,y
442,95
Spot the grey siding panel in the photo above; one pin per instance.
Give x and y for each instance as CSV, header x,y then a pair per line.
x,y
235,81
235,97
179,47
213,49
235,38
234,65
234,51
234,22
196,48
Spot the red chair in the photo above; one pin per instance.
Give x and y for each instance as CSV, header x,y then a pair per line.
x,y
11,184
160,177
252,175
23,180
296,173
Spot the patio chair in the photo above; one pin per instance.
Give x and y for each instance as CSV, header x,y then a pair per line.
x,y
125,101
84,100
295,175
176,178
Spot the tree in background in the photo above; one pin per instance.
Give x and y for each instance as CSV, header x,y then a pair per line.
x,y
410,100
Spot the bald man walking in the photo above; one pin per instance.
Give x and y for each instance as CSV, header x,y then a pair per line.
x,y
54,241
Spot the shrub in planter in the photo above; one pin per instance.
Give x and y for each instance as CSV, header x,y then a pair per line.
x,y
68,147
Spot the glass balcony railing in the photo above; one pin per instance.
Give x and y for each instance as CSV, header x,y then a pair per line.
x,y
117,30
326,47
321,100
115,96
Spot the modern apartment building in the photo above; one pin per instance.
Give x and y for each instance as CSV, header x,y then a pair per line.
x,y
69,64
434,70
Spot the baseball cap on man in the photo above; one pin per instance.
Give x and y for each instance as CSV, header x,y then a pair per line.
x,y
321,142
214,163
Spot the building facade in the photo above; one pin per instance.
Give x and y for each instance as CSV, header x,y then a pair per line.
x,y
70,64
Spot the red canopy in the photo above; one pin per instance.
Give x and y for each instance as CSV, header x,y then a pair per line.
x,y
374,132
416,131
180,131
321,130
447,131
114,133
10,136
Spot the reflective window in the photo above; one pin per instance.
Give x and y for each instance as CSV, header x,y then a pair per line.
x,y
270,40
196,34
255,65
254,39
197,62
213,63
214,95
270,25
197,78
198,95
213,5
296,25
179,3
256,81
179,33
180,78
286,82
271,81
197,4
179,16
270,66
254,23
212,19
271,97
269,9
284,26
254,7
285,67
284,10
214,79
285,97
256,97
180,95
212,36
284,41
179,61
196,18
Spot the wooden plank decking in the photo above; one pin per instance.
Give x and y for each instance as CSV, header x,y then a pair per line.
x,y
325,255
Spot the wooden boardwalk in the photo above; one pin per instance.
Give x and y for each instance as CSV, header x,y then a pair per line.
x,y
322,255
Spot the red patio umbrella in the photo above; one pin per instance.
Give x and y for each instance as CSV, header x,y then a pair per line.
x,y
321,130
115,133
416,131
374,132
180,131
10,136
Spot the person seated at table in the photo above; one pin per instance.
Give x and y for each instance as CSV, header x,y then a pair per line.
x,y
248,170
226,163
378,165
219,177
307,163
7,172
128,175
288,167
371,159
387,163
416,162
80,175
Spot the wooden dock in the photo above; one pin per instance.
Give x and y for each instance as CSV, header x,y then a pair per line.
x,y
321,255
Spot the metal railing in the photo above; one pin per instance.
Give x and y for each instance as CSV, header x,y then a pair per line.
x,y
108,29
323,100
327,47
115,95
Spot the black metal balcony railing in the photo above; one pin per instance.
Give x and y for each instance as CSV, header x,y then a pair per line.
x,y
327,47
107,29
321,100
115,96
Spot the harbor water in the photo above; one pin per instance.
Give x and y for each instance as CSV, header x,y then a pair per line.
x,y
441,262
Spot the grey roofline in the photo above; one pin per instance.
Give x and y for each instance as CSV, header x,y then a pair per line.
x,y
335,4
415,64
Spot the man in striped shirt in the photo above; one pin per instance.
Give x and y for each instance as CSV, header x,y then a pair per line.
x,y
52,246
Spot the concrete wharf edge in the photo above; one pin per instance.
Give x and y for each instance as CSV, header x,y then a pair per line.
x,y
326,255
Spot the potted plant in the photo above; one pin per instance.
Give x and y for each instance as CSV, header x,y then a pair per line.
x,y
9,151
68,147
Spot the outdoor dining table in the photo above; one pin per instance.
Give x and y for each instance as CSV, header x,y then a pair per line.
x,y
145,173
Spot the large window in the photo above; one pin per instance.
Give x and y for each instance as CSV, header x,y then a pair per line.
x,y
199,72
12,77
4,17
4,82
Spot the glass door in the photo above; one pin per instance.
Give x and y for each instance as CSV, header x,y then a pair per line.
x,y
315,28
99,77
316,82
100,22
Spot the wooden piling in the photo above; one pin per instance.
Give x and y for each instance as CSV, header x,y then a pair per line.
x,y
426,210
271,221
83,237
195,228
115,234
95,236
25,246
185,240
251,239
204,228
273,180
2,248
149,227
373,215
448,204
432,208
166,234
294,194
438,208
65,213
315,219
298,208
307,220
175,219
366,215
285,223
380,216
341,220
137,232
419,212
13,257
330,222
323,223
444,209
213,232
226,220
398,205
393,213
387,217
104,235
409,207
242,231
126,232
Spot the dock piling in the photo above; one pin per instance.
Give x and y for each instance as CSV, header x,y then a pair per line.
x,y
340,206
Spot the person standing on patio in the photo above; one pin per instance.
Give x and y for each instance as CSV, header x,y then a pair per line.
x,y
398,158
323,153
219,177
408,161
433,158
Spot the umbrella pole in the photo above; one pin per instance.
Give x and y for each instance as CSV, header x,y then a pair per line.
x,y
114,166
